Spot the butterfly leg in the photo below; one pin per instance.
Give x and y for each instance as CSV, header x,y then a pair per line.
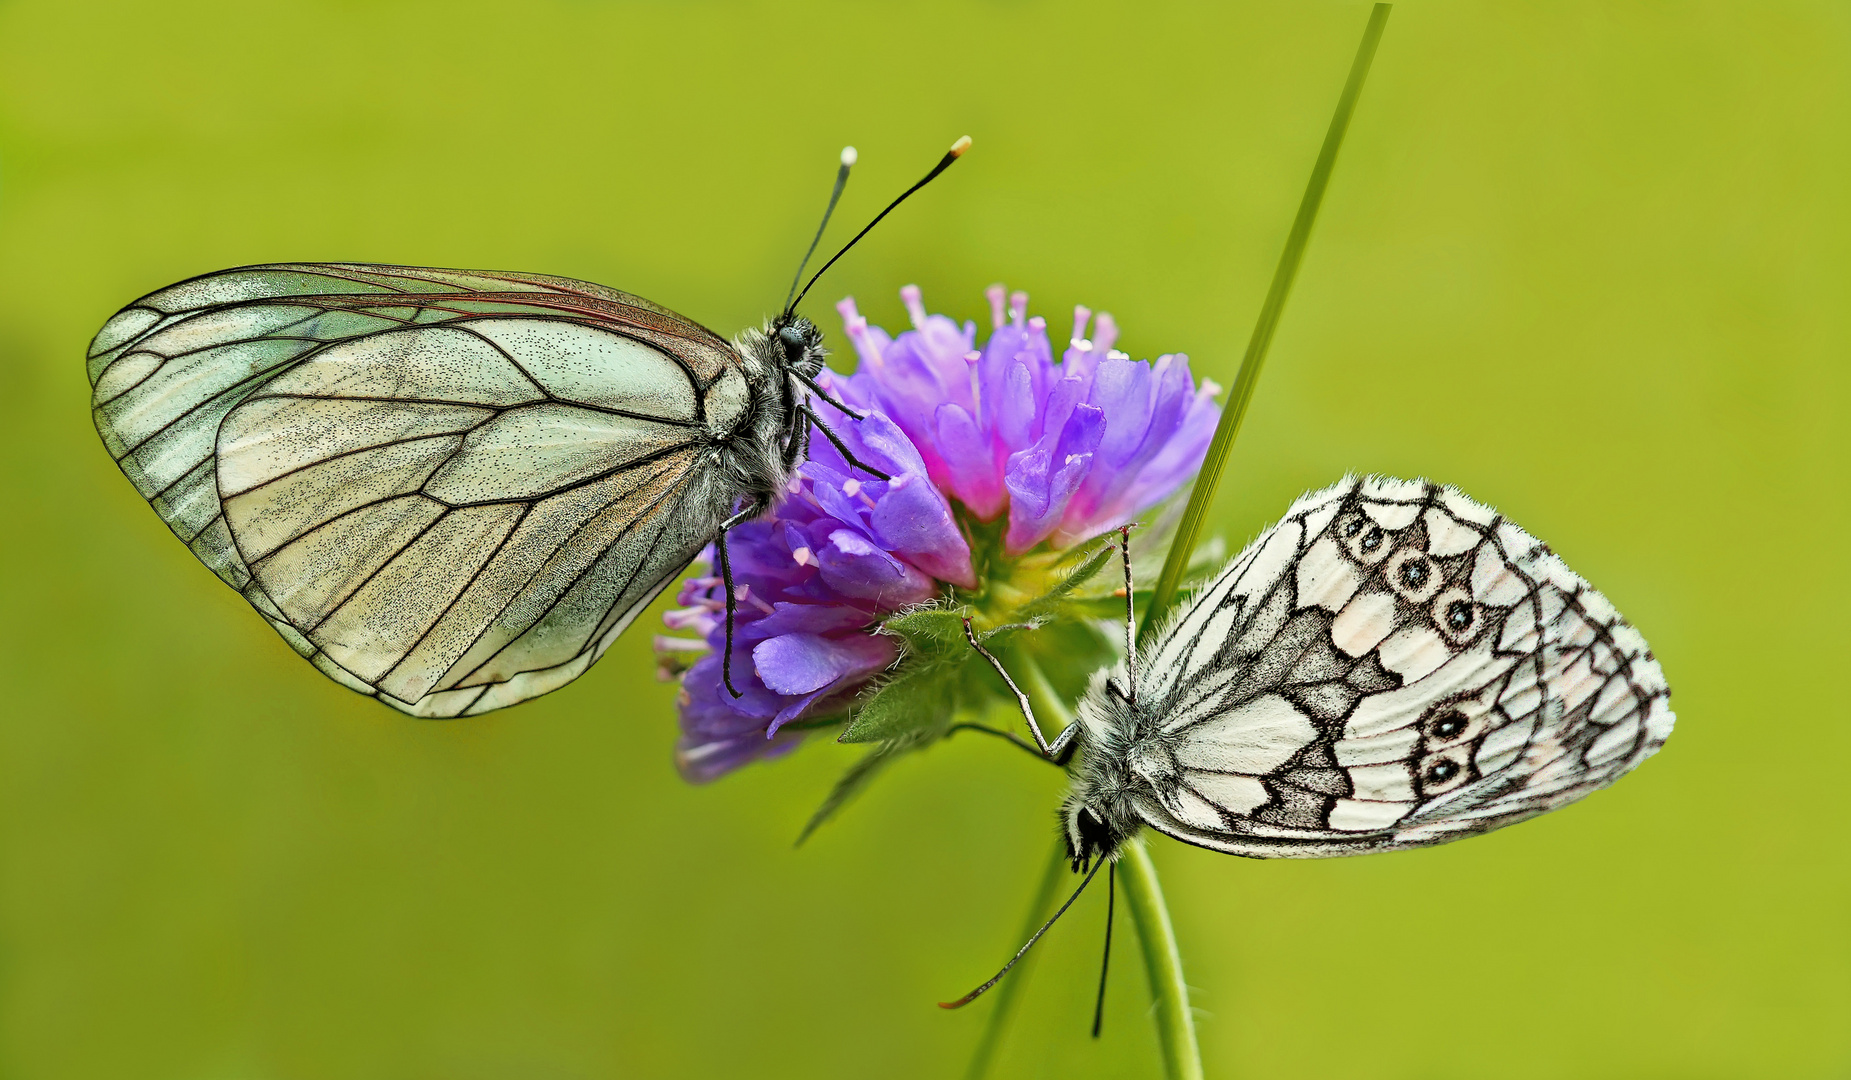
x,y
1012,737
1054,750
836,441
824,394
753,508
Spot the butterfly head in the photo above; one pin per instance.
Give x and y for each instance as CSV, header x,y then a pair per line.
x,y
1089,835
800,345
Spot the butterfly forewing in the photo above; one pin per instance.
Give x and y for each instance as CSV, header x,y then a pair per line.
x,y
1390,665
449,489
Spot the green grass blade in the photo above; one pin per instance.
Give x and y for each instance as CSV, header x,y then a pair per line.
x,y
1209,480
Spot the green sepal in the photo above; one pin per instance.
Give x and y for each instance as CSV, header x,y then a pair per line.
x,y
927,628
1048,604
913,702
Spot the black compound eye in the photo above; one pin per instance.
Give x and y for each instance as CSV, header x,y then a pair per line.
x,y
1459,616
1441,771
792,340
1450,725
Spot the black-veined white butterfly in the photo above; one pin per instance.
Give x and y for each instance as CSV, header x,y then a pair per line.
x,y
451,489
1392,665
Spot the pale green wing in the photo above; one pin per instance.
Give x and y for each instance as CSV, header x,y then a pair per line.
x,y
448,489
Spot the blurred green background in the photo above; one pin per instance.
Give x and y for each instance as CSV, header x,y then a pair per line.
x,y
1588,261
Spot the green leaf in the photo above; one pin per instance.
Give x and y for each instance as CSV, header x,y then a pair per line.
x,y
854,780
911,703
1049,603
927,627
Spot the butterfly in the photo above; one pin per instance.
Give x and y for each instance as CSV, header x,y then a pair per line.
x,y
1392,665
451,490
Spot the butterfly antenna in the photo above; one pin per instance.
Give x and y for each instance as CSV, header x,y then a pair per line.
x,y
1131,633
951,155
1105,964
848,162
998,977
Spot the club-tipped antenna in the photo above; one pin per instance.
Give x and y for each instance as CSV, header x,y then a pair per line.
x,y
998,977
951,155
1105,964
1131,623
848,162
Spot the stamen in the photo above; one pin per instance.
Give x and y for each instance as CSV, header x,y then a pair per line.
x,y
915,305
856,327
1105,332
996,294
803,555
664,643
687,618
851,487
1018,308
1081,316
745,595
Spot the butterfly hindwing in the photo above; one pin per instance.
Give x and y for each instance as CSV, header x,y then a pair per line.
x,y
1390,665
448,489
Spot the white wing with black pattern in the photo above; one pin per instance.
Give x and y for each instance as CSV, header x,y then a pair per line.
x,y
1391,665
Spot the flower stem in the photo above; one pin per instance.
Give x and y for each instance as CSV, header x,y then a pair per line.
x,y
1008,991
1209,479
1182,1058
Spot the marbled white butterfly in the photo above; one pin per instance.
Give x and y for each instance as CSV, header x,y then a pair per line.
x,y
1390,666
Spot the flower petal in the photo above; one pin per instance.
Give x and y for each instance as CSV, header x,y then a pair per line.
x,y
804,663
1042,479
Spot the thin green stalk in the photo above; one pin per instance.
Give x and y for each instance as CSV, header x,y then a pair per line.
x,y
1008,992
1163,962
1209,479
1182,1058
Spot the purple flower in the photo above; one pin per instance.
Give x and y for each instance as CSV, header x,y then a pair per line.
x,y
840,551
1070,450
